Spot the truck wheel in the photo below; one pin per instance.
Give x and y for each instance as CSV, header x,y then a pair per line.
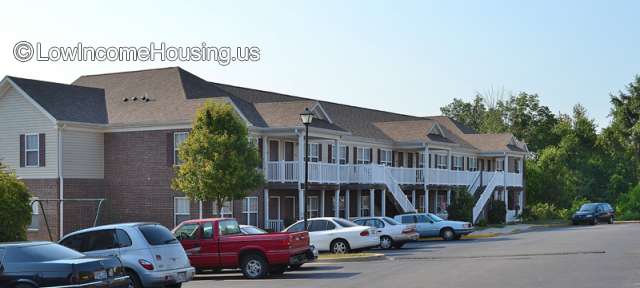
x,y
254,266
386,242
339,246
447,234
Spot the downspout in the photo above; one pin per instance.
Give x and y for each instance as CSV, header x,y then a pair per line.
x,y
60,183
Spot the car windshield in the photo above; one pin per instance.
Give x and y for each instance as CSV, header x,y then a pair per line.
x,y
252,230
156,234
435,218
588,207
390,221
40,253
344,223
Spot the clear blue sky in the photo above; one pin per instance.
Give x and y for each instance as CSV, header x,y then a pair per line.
x,y
407,57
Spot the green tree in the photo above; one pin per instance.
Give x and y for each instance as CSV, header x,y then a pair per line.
x,y
469,113
15,211
218,161
626,121
461,208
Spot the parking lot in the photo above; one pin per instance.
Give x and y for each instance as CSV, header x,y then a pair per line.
x,y
581,256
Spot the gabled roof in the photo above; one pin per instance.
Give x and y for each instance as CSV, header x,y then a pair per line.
x,y
66,102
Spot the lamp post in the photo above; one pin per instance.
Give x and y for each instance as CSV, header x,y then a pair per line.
x,y
306,117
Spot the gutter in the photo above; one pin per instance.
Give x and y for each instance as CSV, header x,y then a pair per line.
x,y
60,183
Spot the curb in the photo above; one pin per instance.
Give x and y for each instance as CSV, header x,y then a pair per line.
x,y
627,222
373,257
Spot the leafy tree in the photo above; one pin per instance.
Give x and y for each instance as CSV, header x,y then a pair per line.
x,y
497,212
626,120
15,211
461,208
218,162
471,114
628,207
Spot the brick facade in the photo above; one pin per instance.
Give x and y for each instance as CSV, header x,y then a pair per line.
x,y
45,189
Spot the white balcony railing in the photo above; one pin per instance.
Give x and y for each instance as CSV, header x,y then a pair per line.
x,y
289,171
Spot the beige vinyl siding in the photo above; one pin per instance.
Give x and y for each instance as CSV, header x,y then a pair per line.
x,y
83,154
19,116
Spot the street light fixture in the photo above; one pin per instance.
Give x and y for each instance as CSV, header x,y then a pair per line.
x,y
306,117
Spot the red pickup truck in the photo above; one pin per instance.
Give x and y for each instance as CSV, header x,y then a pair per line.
x,y
218,243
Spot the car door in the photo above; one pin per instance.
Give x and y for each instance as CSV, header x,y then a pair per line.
x,y
425,226
189,236
378,225
412,220
600,213
102,243
317,232
209,246
123,243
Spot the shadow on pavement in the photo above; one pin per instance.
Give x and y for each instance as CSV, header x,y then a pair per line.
x,y
287,275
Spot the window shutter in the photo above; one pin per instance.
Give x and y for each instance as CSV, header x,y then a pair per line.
x,y
261,149
468,168
22,157
320,152
378,155
410,160
429,165
170,149
371,155
41,143
452,168
393,158
329,153
355,155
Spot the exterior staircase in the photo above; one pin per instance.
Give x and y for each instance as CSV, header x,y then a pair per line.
x,y
496,178
396,191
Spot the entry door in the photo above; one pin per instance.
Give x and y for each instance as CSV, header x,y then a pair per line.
x,y
288,151
274,208
273,150
289,210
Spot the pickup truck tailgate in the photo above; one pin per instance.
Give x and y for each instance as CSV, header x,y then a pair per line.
x,y
299,241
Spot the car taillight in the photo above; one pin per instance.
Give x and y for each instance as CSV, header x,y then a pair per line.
x,y
364,233
146,264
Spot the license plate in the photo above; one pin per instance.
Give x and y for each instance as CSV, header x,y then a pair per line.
x,y
182,276
100,275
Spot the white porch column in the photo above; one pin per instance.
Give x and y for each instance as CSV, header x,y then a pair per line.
x,y
300,204
336,203
448,197
413,198
372,202
200,209
322,203
383,205
426,200
426,166
265,154
266,208
337,157
347,208
506,192
359,203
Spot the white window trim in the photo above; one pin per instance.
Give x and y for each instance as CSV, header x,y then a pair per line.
x,y
314,157
386,157
176,147
175,209
458,162
441,164
226,205
363,155
473,163
27,150
35,210
246,205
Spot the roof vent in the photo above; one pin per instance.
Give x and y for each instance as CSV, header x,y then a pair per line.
x,y
125,99
134,98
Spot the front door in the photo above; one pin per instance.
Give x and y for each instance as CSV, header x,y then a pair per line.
x,y
274,212
289,210
288,151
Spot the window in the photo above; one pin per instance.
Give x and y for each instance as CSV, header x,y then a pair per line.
x,y
32,150
363,155
314,152
181,209
408,219
187,231
298,227
156,234
35,215
250,210
229,227
123,238
318,225
207,230
421,160
364,209
386,157
344,223
516,166
101,240
390,221
458,162
499,165
178,139
421,218
473,163
312,207
441,161
77,242
342,155
441,202
41,253
227,209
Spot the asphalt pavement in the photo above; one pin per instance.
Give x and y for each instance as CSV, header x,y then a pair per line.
x,y
580,256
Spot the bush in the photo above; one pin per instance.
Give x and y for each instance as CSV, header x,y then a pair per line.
x,y
497,212
543,212
628,207
461,208
15,211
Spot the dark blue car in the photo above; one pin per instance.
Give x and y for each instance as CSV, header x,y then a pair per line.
x,y
594,213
